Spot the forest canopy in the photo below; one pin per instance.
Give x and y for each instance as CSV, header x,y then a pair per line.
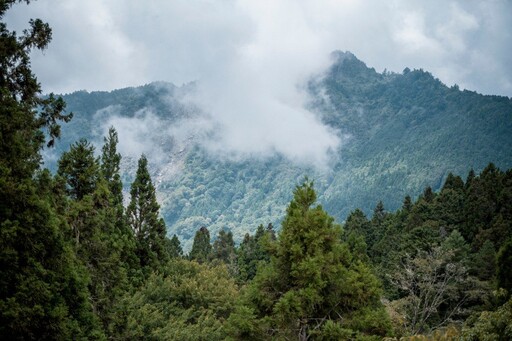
x,y
77,264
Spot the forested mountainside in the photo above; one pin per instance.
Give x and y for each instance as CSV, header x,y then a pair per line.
x,y
77,263
400,132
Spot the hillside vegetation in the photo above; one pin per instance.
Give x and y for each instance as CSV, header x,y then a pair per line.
x,y
82,259
401,133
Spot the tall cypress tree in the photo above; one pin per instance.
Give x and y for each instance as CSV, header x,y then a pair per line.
x,y
143,217
110,165
201,248
110,171
42,292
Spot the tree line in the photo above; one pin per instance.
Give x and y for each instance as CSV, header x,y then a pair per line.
x,y
77,264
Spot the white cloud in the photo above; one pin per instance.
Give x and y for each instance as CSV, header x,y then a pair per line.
x,y
251,57
116,43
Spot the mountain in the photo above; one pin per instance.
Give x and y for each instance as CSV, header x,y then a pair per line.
x,y
401,133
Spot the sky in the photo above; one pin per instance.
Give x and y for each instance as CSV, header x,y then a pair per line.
x,y
250,58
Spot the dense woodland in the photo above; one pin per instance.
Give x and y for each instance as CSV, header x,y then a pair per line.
x,y
77,264
401,132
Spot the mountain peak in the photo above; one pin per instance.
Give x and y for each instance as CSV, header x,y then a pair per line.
x,y
347,65
339,56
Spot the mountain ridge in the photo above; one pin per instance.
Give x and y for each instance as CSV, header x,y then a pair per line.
x,y
402,132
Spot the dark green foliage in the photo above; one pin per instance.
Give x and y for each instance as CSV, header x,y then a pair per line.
x,y
120,233
504,260
408,131
254,250
445,243
312,278
43,292
453,182
358,223
201,249
376,227
357,232
458,247
174,247
482,203
75,266
143,217
223,250
110,166
484,262
80,169
407,204
224,247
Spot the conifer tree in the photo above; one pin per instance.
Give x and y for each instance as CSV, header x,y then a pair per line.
x,y
407,204
102,239
504,271
313,288
254,250
174,247
143,217
428,194
80,169
224,247
376,226
484,261
42,286
453,182
110,166
122,233
201,248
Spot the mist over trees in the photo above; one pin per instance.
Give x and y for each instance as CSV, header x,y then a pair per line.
x,y
77,264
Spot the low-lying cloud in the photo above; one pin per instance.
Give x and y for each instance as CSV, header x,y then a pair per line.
x,y
251,59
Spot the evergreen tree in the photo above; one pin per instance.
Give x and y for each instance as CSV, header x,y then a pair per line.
x,y
174,247
110,166
484,262
481,203
143,217
80,169
254,250
183,301
449,208
355,233
407,204
42,286
201,248
103,242
456,244
453,182
376,226
122,232
313,288
504,272
247,261
428,194
224,247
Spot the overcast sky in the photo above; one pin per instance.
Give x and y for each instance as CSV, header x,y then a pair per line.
x,y
250,56
107,44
